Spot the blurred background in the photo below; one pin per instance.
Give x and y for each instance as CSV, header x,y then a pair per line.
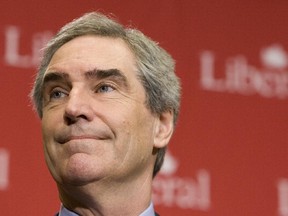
x,y
229,154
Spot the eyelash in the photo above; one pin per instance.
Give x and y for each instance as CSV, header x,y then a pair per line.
x,y
99,89
58,91
105,84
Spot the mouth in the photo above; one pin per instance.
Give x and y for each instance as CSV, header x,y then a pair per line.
x,y
64,139
78,133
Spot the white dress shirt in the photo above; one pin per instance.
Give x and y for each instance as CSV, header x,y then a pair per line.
x,y
148,212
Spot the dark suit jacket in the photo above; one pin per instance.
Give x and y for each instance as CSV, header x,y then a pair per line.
x,y
156,214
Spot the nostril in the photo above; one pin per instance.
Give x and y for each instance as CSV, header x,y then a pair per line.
x,y
69,120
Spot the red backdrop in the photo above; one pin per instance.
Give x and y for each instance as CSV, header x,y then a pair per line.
x,y
229,153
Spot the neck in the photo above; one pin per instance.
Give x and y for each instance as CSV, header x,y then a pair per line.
x,y
107,198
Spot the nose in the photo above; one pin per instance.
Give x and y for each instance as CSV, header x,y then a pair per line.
x,y
78,107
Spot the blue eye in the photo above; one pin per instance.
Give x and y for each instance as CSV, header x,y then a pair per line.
x,y
105,88
56,94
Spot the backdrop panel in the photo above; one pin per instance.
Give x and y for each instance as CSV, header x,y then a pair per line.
x,y
229,154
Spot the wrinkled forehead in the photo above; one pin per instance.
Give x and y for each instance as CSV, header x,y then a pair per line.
x,y
90,51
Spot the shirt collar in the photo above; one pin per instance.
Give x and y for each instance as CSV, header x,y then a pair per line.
x,y
148,212
65,212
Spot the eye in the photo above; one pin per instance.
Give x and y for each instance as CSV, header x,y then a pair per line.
x,y
57,94
105,88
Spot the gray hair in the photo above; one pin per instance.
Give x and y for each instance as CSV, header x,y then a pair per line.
x,y
155,65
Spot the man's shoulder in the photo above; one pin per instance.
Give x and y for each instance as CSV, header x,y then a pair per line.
x,y
156,214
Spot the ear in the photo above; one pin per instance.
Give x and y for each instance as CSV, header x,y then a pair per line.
x,y
163,129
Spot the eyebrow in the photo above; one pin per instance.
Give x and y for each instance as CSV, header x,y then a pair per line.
x,y
109,73
55,76
96,74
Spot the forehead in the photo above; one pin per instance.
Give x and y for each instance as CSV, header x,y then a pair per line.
x,y
88,52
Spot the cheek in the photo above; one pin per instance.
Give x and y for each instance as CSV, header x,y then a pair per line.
x,y
47,141
135,148
49,123
137,135
46,133
49,126
45,128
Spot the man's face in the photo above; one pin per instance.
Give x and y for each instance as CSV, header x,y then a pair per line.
x,y
95,121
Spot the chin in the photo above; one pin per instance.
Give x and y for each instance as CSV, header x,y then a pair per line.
x,y
80,170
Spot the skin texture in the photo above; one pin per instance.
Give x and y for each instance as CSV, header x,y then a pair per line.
x,y
100,139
